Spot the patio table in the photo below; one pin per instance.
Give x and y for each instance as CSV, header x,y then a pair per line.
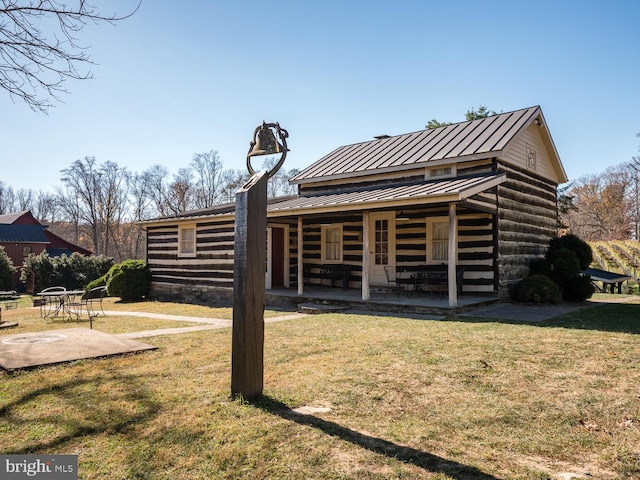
x,y
61,301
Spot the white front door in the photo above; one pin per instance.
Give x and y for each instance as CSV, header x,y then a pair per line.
x,y
382,243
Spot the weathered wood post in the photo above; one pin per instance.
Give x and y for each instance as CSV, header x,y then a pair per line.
x,y
250,245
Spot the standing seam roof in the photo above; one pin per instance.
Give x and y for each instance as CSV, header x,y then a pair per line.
x,y
483,136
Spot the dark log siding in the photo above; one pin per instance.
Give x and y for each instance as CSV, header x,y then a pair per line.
x,y
475,244
212,266
499,232
527,220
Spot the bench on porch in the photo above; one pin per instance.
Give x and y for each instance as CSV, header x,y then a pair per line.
x,y
433,278
333,272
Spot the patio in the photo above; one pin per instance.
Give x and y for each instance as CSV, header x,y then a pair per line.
x,y
425,303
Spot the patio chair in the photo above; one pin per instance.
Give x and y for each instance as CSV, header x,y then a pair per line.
x,y
92,300
392,280
50,303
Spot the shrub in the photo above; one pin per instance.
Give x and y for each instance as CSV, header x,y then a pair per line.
x,y
129,280
579,247
578,289
7,271
540,266
98,282
538,289
565,266
72,272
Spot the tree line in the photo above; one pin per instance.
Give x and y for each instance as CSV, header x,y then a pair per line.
x,y
604,206
98,204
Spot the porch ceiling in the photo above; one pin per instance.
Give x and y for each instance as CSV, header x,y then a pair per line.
x,y
422,193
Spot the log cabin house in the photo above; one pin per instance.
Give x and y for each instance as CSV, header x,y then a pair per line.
x,y
481,195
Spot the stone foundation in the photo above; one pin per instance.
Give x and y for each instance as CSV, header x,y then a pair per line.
x,y
192,294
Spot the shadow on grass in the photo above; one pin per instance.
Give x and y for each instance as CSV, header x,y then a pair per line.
x,y
85,411
431,463
604,317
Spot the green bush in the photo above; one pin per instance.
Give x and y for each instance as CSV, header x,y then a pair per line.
x,y
7,271
579,247
540,266
566,257
538,289
98,282
72,272
129,280
565,266
578,289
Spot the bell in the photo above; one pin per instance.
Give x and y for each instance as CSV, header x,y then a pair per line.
x,y
266,143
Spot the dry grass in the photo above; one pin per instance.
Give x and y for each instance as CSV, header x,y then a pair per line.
x,y
454,399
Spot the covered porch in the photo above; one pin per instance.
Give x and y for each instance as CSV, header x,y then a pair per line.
x,y
354,237
379,300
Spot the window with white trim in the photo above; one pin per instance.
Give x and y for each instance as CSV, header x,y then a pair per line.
x,y
187,241
332,244
437,240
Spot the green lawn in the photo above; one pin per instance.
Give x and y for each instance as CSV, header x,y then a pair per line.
x,y
397,398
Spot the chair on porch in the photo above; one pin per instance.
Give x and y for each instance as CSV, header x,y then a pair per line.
x,y
392,280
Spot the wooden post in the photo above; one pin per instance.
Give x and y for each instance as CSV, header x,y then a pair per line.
x,y
247,348
453,256
366,256
300,258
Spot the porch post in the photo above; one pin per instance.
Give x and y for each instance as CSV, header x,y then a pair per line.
x,y
366,257
453,256
300,258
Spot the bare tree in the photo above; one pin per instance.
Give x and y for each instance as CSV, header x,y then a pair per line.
x,y
232,181
98,194
207,169
7,198
157,187
24,199
278,185
34,63
602,206
181,191
45,207
140,209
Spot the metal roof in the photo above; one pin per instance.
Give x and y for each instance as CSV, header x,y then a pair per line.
x,y
23,233
605,276
380,196
482,138
417,193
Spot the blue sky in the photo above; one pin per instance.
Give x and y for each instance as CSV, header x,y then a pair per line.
x,y
180,78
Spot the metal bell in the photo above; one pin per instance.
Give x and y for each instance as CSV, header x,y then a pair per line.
x,y
266,143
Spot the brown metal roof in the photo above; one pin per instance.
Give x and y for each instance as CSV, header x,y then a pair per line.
x,y
482,138
417,193
450,190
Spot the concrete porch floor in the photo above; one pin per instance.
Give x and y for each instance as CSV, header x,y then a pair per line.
x,y
428,303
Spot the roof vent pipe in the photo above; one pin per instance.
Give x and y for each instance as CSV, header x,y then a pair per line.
x,y
380,137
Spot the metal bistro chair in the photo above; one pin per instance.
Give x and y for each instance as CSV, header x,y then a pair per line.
x,y
392,280
92,301
50,304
